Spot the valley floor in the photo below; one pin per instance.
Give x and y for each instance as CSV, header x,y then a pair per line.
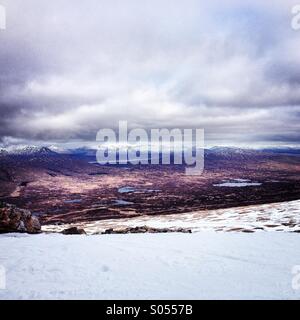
x,y
202,265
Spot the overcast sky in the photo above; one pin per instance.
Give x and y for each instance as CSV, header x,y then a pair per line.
x,y
69,68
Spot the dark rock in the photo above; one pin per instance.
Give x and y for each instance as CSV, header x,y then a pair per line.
x,y
248,231
13,219
109,231
73,231
146,229
272,225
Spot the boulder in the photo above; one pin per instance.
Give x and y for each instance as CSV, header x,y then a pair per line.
x,y
13,219
73,231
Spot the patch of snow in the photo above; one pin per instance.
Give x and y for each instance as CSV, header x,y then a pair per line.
x,y
204,265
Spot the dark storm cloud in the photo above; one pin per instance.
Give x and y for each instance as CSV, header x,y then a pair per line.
x,y
69,68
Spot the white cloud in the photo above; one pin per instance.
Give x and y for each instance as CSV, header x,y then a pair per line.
x,y
231,67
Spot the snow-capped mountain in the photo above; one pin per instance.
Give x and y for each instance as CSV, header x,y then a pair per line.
x,y
232,153
230,150
26,150
213,152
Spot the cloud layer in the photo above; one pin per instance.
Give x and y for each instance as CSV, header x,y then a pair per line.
x,y
70,68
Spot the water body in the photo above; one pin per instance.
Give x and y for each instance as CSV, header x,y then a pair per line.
x,y
126,190
73,201
133,190
238,183
122,203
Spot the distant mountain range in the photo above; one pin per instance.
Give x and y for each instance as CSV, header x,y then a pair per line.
x,y
223,152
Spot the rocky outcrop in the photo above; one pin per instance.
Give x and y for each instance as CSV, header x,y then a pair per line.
x,y
146,229
13,219
73,231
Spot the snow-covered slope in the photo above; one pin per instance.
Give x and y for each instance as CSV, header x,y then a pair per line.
x,y
203,265
283,216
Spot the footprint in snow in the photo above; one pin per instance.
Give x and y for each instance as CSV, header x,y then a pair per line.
x,y
104,268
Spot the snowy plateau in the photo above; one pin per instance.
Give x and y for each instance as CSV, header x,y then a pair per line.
x,y
203,265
